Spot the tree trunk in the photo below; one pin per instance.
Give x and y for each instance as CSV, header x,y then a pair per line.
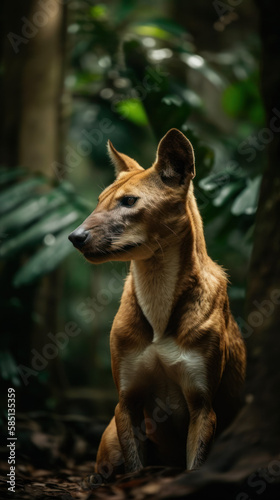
x,y
33,59
33,54
41,93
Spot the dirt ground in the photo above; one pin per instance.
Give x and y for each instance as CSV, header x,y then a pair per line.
x,y
55,458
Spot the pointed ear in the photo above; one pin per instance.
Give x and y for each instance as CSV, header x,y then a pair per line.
x,y
122,163
175,158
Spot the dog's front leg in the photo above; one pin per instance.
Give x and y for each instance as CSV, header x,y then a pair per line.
x,y
201,432
128,419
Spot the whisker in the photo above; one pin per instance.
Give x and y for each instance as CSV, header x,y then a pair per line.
x,y
101,187
147,246
165,225
160,247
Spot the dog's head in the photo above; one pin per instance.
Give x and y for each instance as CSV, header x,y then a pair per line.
x,y
143,210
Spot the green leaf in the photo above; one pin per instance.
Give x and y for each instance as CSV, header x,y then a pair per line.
x,y
99,11
163,28
214,181
133,110
192,98
45,260
83,205
8,368
10,174
152,31
233,100
222,178
226,193
172,99
198,63
247,201
166,116
242,99
257,114
31,210
50,224
125,8
14,195
67,187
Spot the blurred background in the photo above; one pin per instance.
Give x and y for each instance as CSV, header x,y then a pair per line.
x,y
74,74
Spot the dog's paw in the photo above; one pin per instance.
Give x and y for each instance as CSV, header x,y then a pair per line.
x,y
92,481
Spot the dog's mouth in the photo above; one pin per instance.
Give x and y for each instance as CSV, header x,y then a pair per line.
x,y
107,253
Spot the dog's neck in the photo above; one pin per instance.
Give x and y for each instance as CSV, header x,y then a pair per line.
x,y
155,282
159,281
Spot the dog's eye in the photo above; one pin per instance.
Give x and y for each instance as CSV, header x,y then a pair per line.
x,y
128,201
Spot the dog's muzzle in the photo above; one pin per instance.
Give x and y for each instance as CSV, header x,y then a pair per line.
x,y
79,237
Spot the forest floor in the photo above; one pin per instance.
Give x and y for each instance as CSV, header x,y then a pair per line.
x,y
55,457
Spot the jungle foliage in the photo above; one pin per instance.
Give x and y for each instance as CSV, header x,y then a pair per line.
x,y
133,73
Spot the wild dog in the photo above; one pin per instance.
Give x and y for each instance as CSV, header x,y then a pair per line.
x,y
178,359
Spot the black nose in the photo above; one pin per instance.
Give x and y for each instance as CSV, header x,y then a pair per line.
x,y
78,237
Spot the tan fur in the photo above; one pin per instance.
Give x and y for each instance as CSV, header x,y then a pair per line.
x,y
178,359
155,288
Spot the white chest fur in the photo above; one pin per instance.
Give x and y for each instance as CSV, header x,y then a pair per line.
x,y
187,369
155,288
